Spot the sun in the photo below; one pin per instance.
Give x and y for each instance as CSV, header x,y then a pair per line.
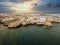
x,y
25,7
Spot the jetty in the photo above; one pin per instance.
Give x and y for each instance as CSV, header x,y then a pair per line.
x,y
15,20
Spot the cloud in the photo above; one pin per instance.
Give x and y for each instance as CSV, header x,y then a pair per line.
x,y
16,1
14,5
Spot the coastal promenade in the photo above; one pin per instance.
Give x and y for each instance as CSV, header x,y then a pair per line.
x,y
15,20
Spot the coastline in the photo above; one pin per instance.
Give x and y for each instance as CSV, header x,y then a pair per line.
x,y
15,20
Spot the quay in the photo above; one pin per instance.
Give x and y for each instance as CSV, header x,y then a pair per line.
x,y
15,20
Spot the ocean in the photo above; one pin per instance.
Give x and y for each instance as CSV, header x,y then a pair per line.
x,y
30,35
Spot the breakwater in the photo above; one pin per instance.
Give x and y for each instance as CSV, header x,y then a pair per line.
x,y
14,20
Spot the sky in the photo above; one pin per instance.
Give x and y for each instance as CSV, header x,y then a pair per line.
x,y
9,5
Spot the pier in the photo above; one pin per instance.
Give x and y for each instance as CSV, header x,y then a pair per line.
x,y
15,20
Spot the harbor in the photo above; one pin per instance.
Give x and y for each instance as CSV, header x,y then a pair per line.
x,y
15,20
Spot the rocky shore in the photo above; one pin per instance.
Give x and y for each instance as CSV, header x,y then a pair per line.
x,y
15,20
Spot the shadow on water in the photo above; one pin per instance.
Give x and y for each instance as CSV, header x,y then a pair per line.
x,y
30,35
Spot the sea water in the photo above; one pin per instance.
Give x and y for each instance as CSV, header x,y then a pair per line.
x,y
30,35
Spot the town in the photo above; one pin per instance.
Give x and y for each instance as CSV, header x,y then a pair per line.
x,y
15,20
